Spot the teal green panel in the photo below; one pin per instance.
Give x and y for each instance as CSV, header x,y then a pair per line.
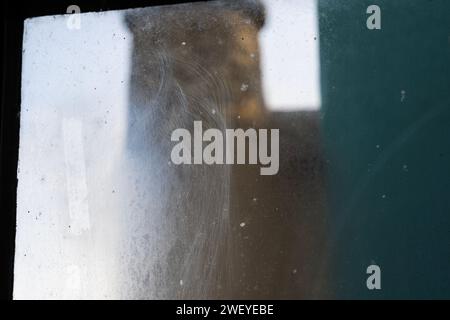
x,y
386,127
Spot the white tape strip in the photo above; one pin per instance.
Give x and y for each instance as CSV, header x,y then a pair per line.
x,y
77,192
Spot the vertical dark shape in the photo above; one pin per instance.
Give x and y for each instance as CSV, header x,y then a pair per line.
x,y
225,230
12,29
386,104
188,65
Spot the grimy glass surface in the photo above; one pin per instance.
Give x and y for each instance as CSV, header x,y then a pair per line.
x,y
357,206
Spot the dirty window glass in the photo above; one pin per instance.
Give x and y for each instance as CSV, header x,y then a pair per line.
x,y
235,149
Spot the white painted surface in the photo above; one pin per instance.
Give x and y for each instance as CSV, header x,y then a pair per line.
x,y
73,117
